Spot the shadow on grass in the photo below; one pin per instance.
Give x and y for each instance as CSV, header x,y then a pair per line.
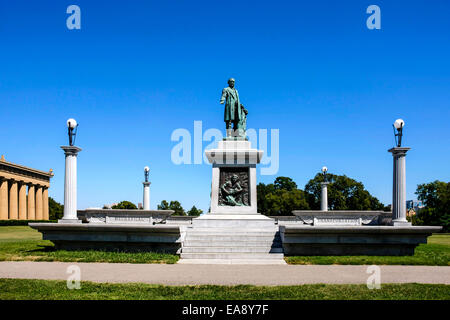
x,y
42,249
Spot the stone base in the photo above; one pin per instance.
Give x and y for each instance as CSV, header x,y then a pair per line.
x,y
70,221
353,240
77,236
400,223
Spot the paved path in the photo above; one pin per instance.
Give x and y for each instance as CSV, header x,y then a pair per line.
x,y
185,274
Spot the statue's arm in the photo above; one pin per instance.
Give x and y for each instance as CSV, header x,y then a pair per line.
x,y
223,188
224,96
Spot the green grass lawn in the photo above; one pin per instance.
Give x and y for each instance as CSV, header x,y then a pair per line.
x,y
21,243
54,290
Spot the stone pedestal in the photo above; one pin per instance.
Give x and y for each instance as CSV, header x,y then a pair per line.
x,y
146,200
324,196
233,187
399,187
70,185
234,167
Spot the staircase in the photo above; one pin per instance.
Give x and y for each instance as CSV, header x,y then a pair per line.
x,y
232,245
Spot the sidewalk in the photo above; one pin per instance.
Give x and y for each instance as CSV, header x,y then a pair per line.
x,y
185,274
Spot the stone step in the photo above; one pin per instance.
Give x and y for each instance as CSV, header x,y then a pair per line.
x,y
209,243
233,261
234,232
199,229
274,256
228,238
234,249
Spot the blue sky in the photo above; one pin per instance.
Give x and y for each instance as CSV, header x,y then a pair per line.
x,y
138,70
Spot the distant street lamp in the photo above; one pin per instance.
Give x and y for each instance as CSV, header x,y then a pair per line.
x,y
324,195
72,126
146,171
398,125
324,171
146,184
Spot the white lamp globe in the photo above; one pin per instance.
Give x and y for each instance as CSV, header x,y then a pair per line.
x,y
399,123
146,169
71,123
324,169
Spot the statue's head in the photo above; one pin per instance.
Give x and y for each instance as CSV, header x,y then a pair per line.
x,y
234,178
231,82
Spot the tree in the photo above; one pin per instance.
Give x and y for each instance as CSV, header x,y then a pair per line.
x,y
124,205
173,205
284,183
56,210
283,202
344,193
194,212
280,198
435,197
262,191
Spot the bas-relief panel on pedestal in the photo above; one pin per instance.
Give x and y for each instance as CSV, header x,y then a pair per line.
x,y
234,186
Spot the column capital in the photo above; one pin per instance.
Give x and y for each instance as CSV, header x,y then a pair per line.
x,y
399,151
146,183
324,183
71,150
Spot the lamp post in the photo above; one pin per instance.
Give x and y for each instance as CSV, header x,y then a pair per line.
x,y
70,178
399,177
146,184
324,195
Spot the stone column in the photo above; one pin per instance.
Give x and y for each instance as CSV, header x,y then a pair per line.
x,y
45,204
39,204
324,196
70,185
3,199
146,195
399,187
31,202
13,201
22,201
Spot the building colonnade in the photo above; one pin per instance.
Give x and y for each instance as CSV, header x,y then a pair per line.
x,y
23,192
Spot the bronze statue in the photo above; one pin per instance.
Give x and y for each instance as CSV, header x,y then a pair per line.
x,y
235,113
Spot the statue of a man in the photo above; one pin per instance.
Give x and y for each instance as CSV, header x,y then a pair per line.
x,y
235,113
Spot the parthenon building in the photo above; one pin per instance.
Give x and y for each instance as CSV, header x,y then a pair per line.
x,y
23,192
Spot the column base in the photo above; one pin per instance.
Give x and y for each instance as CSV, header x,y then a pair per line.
x,y
401,223
69,221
